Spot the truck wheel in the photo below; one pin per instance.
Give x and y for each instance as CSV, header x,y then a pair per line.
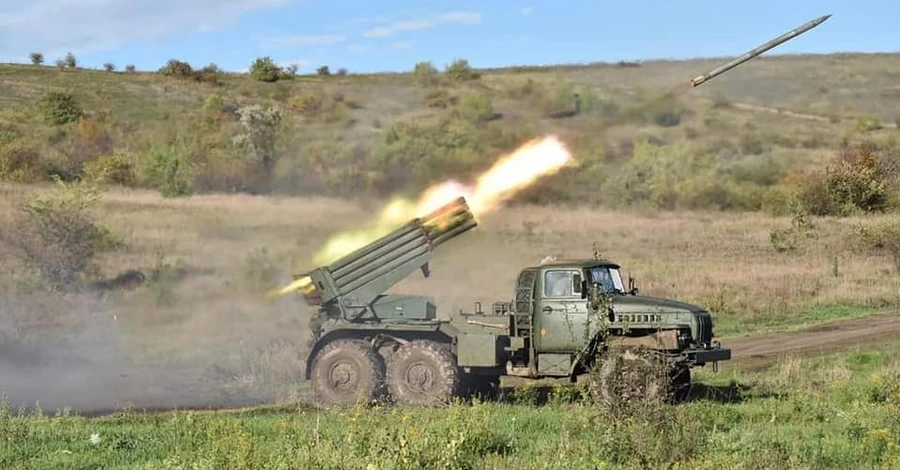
x,y
421,373
347,371
628,377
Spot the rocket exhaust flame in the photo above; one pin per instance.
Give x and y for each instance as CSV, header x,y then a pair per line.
x,y
511,174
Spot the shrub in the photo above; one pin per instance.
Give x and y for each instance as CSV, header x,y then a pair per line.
x,y
21,163
290,71
130,68
341,71
264,69
476,107
168,170
261,127
439,98
426,73
323,71
883,237
118,168
460,70
59,107
861,180
57,235
177,68
109,67
36,58
71,61
864,125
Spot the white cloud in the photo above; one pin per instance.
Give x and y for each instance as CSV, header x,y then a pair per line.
x,y
292,40
402,45
527,11
57,26
420,24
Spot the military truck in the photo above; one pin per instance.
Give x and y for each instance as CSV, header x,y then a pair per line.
x,y
563,318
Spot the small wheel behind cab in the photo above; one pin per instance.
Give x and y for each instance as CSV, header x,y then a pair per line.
x,y
422,373
346,372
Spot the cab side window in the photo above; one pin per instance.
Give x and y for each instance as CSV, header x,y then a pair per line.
x,y
559,283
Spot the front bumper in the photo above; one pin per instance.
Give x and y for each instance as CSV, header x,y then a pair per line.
x,y
700,357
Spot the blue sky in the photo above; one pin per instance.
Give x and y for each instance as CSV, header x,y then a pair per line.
x,y
392,35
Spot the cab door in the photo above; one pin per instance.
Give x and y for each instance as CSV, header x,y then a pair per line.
x,y
560,311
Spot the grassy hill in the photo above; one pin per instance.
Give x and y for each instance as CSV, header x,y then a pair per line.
x,y
737,142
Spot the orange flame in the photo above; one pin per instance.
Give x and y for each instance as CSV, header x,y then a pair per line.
x,y
511,174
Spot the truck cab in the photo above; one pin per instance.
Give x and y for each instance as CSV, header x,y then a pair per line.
x,y
565,311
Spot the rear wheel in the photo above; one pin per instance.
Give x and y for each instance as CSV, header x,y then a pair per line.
x,y
422,373
346,372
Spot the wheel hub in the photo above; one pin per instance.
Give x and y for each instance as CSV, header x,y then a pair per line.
x,y
420,377
343,376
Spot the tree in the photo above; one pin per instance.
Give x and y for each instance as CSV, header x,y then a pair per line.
x,y
36,58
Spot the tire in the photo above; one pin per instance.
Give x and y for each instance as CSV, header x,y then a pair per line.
x,y
630,377
422,373
346,372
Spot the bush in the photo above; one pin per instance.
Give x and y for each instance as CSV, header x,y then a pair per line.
x,y
109,67
460,70
883,237
323,71
476,108
177,68
71,61
59,107
265,69
130,68
439,98
261,126
426,73
56,234
862,179
168,170
118,168
36,58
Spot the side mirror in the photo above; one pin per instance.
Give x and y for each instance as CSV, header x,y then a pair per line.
x,y
631,287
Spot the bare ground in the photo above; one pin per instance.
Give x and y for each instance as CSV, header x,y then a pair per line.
x,y
757,352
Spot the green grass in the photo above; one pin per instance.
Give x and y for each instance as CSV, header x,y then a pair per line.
x,y
837,411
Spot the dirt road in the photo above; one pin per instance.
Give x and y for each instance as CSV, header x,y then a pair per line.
x,y
760,350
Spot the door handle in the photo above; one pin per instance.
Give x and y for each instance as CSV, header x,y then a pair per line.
x,y
547,309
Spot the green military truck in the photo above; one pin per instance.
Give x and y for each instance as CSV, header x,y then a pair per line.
x,y
564,320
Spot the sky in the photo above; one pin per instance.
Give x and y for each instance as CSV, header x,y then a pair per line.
x,y
393,35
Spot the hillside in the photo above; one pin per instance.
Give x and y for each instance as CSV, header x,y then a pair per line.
x,y
724,145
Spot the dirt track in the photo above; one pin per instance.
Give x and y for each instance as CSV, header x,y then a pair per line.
x,y
758,351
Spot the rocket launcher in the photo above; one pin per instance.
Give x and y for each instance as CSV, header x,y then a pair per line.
x,y
353,286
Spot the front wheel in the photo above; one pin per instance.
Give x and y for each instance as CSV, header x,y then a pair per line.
x,y
422,373
347,371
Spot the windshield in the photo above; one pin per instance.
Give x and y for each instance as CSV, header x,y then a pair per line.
x,y
608,279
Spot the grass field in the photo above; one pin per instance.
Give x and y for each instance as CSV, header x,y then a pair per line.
x,y
838,411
